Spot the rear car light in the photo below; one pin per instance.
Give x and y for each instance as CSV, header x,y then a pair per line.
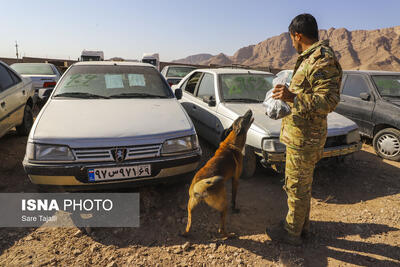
x,y
170,83
49,84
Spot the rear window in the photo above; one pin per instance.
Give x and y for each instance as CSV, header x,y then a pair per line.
x,y
33,69
109,81
178,71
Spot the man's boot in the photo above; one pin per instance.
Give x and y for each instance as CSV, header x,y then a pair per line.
x,y
278,233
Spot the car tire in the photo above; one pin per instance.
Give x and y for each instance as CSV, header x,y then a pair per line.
x,y
249,163
387,144
27,122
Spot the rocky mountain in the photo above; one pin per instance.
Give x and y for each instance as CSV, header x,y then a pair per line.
x,y
195,59
359,49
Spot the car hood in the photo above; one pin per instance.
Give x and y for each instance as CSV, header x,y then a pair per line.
x,y
394,101
102,122
337,124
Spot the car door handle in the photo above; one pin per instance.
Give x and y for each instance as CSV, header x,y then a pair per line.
x,y
23,92
3,104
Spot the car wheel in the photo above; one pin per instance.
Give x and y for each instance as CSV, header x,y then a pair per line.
x,y
387,144
249,163
27,122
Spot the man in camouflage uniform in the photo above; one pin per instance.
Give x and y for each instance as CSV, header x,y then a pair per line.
x,y
312,94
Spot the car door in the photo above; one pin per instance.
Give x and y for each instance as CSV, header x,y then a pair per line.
x,y
188,101
205,109
10,100
353,106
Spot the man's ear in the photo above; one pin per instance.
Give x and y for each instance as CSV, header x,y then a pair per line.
x,y
226,132
298,36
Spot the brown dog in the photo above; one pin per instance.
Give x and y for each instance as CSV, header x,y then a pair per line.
x,y
209,182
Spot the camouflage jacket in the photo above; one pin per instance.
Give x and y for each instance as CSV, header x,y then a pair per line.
x,y
316,82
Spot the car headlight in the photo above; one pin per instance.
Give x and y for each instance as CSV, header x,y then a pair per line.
x,y
273,145
353,137
178,145
48,152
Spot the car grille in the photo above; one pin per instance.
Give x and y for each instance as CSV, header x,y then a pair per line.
x,y
334,141
105,154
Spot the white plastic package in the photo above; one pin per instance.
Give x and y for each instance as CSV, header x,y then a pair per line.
x,y
276,108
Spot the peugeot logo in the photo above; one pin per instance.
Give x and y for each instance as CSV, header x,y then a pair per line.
x,y
119,154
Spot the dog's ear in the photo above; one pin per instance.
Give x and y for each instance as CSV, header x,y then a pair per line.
x,y
225,133
239,127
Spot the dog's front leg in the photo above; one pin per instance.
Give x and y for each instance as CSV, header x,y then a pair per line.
x,y
235,184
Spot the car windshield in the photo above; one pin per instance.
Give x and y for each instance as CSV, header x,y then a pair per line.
x,y
388,85
179,71
245,87
32,68
112,81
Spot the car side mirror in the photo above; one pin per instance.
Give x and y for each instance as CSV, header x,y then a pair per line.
x,y
209,100
178,93
365,96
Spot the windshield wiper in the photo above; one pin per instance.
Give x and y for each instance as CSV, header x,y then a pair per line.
x,y
80,95
137,95
244,100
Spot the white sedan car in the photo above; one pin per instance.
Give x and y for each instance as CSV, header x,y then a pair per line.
x,y
111,123
214,98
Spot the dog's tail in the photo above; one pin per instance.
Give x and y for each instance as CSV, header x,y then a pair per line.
x,y
201,187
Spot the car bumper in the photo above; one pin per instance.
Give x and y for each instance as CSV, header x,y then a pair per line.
x,y
330,152
76,174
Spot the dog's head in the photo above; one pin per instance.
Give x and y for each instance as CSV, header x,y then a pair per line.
x,y
240,126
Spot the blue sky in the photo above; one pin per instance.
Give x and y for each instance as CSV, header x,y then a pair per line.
x,y
175,29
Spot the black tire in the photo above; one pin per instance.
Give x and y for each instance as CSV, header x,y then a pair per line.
x,y
27,122
387,144
249,163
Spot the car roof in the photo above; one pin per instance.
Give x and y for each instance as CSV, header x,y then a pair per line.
x,y
234,71
183,66
111,63
371,72
32,63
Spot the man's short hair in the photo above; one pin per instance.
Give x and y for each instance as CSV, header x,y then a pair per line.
x,y
306,25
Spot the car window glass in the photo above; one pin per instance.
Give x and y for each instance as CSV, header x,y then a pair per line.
x,y
113,80
178,71
245,86
388,85
5,79
33,68
354,85
206,87
15,78
192,82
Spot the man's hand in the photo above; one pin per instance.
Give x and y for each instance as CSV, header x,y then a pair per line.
x,y
282,92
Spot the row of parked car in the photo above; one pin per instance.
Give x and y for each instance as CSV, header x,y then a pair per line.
x,y
113,123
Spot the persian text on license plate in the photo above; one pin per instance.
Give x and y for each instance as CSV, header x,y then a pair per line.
x,y
103,174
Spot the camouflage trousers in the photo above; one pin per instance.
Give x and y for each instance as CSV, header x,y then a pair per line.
x,y
299,173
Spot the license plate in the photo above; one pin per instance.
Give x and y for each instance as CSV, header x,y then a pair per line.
x,y
104,174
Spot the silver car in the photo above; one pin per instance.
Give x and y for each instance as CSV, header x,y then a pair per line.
x,y
111,123
16,101
44,77
214,98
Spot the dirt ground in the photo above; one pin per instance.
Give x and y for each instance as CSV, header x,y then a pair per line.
x,y
355,222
